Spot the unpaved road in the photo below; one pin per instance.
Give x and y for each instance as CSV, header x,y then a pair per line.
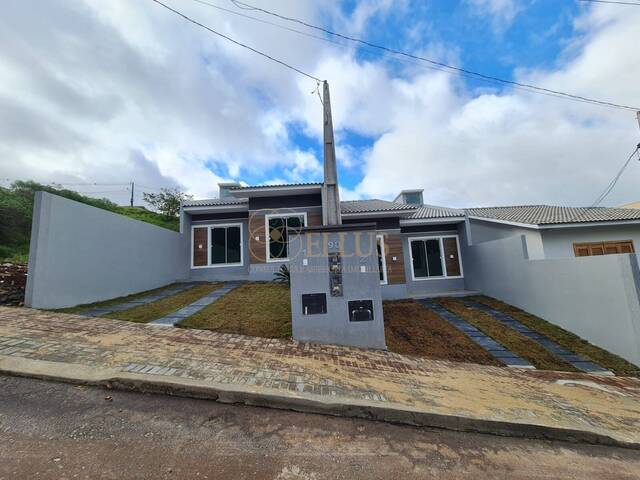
x,y
58,431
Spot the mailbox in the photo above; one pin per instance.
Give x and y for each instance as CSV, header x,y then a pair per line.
x,y
361,310
314,303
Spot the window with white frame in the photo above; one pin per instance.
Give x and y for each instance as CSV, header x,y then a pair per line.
x,y
435,257
217,245
278,229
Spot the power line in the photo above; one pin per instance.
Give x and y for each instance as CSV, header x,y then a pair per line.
x,y
375,51
195,22
451,68
611,1
615,179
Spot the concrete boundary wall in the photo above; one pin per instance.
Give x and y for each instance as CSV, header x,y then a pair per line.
x,y
82,254
596,297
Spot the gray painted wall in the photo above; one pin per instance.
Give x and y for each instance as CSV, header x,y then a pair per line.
x,y
334,326
81,254
597,298
558,243
482,231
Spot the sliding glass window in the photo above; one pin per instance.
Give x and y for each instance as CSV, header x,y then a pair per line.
x,y
226,245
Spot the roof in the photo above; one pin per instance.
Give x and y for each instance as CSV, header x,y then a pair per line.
x,y
279,185
373,206
214,202
554,215
434,211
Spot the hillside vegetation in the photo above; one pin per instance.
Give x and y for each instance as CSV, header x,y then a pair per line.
x,y
16,208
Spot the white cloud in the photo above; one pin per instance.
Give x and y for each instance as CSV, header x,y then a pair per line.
x,y
501,12
514,147
109,92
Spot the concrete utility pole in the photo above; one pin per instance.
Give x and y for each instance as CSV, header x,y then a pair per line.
x,y
330,194
132,194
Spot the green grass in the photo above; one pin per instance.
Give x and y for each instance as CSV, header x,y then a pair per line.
x,y
112,301
160,308
568,340
513,340
14,253
257,309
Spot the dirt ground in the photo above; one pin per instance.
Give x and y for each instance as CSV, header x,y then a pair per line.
x,y
59,431
13,279
411,329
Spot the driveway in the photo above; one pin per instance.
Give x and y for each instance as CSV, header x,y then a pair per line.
x,y
58,431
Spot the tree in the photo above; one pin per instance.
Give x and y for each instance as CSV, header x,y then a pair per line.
x,y
167,201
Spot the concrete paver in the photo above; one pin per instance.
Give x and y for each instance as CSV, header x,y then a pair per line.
x,y
321,378
173,318
577,361
495,349
119,307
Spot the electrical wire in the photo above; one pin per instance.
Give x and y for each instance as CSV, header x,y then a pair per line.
x,y
615,179
451,68
611,1
195,22
379,52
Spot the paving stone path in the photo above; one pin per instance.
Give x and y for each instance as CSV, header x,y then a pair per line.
x,y
176,317
119,307
577,361
495,349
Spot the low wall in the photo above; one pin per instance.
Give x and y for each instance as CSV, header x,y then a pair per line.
x,y
82,254
596,297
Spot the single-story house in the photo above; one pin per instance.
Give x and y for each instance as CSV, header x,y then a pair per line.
x,y
242,235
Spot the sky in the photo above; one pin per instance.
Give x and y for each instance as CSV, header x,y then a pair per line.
x,y
95,94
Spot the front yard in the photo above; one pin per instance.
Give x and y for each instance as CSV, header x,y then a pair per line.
x,y
256,309
263,309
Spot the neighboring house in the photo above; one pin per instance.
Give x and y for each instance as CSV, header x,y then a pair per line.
x,y
243,234
630,205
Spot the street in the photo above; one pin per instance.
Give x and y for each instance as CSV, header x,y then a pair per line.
x,y
61,431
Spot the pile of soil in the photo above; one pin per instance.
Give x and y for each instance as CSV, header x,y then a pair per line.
x,y
411,329
13,279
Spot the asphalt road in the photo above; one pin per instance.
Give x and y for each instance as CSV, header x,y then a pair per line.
x,y
59,431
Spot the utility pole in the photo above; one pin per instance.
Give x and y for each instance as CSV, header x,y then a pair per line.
x,y
132,185
331,201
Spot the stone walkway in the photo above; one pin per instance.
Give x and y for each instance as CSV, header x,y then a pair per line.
x,y
495,349
577,361
176,317
338,380
119,307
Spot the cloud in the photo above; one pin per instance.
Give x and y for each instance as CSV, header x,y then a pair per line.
x,y
466,148
110,92
87,87
500,12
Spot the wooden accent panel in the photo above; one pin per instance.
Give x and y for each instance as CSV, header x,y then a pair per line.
x,y
257,248
314,219
200,246
451,256
603,248
395,270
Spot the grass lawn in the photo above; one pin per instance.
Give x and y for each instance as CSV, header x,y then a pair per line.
x,y
567,339
511,339
257,309
411,329
160,308
113,301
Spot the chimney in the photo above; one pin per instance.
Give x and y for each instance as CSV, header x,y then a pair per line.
x,y
330,194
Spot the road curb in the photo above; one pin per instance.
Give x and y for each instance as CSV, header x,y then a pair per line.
x,y
299,402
